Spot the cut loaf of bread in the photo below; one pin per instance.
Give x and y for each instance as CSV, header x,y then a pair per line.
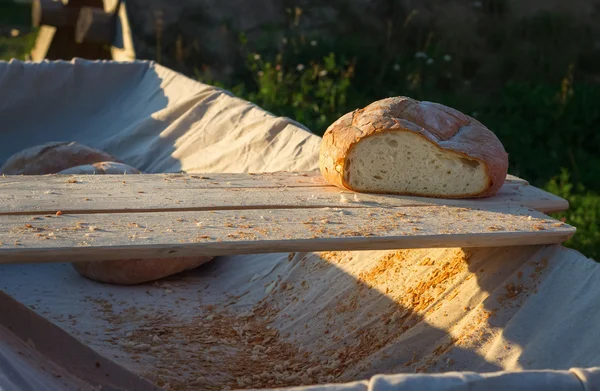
x,y
403,146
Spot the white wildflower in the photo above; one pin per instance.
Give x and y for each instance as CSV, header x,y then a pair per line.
x,y
300,67
447,58
323,73
429,61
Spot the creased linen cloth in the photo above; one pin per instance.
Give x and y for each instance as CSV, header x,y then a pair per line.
x,y
519,318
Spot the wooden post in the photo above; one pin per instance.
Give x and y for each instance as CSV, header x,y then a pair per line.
x,y
53,13
56,38
95,26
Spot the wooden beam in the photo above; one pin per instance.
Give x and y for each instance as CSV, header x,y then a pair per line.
x,y
95,26
53,13
156,192
89,237
58,42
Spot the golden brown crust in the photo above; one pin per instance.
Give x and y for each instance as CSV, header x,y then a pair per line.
x,y
444,127
51,158
136,271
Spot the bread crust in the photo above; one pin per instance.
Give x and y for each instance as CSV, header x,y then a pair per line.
x,y
53,157
136,271
446,128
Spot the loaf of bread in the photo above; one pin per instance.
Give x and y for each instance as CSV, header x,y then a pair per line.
x,y
128,271
136,271
51,158
108,168
406,147
74,158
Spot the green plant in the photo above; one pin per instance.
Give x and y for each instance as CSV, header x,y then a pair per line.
x,y
545,129
583,213
20,45
315,93
16,47
14,13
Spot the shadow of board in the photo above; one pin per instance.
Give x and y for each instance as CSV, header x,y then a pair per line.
x,y
351,315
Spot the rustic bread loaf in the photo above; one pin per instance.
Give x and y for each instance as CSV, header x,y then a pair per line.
x,y
403,146
51,158
108,168
136,271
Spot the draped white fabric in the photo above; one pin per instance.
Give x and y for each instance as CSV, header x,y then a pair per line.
x,y
521,318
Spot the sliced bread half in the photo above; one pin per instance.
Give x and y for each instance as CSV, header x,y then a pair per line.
x,y
403,146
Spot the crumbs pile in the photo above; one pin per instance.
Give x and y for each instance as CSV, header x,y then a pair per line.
x,y
233,348
410,299
327,317
218,351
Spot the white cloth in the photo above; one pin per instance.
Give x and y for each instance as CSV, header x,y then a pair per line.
x,y
520,318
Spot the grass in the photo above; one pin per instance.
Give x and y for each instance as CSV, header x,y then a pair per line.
x,y
17,48
541,106
14,14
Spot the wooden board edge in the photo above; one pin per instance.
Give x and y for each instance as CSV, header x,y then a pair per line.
x,y
469,240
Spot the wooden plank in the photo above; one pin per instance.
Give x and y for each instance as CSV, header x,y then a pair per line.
x,y
67,238
179,192
183,180
174,181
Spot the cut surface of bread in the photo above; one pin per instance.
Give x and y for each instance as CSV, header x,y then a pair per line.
x,y
136,271
407,163
403,146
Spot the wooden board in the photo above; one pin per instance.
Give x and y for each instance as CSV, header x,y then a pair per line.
x,y
143,216
179,192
